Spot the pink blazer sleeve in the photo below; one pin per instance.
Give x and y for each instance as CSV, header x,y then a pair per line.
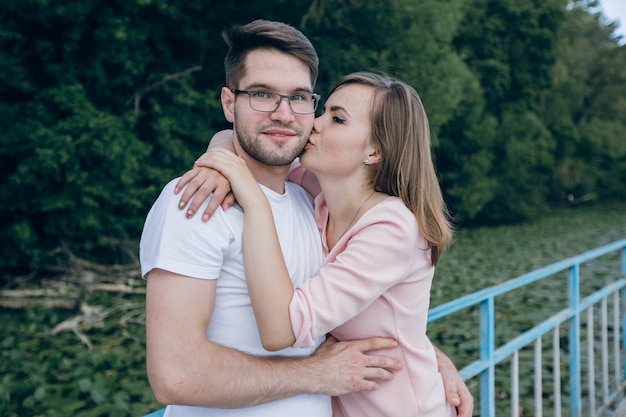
x,y
382,249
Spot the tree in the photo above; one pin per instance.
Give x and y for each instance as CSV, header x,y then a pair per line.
x,y
511,48
104,102
585,109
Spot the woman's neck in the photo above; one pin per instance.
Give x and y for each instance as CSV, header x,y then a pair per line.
x,y
346,204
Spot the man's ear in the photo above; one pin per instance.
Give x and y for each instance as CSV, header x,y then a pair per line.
x,y
228,104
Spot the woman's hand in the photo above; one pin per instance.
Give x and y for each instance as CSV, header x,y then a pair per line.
x,y
244,186
200,183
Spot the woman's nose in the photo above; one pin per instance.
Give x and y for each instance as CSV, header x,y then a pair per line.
x,y
316,125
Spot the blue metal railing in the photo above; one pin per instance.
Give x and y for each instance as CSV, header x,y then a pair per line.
x,y
490,355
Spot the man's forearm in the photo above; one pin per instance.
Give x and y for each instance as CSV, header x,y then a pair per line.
x,y
185,368
225,378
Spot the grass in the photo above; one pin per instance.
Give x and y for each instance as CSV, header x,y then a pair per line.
x,y
59,376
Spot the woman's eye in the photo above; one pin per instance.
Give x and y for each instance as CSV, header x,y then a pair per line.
x,y
338,120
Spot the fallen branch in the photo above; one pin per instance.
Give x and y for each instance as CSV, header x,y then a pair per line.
x,y
91,317
22,303
72,288
118,288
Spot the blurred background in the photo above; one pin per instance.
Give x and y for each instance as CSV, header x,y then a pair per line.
x,y
615,11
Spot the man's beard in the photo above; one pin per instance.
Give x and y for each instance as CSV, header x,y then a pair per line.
x,y
280,155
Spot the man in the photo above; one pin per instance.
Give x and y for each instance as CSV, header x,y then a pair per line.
x,y
203,348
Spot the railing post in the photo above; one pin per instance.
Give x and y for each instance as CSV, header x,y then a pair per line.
x,y
591,363
538,378
623,329
556,365
487,348
574,340
617,346
623,309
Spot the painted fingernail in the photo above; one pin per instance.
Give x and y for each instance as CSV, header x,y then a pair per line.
x,y
205,218
181,205
176,190
189,214
196,162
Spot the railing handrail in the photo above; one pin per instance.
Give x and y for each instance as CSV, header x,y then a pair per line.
x,y
490,354
507,349
469,300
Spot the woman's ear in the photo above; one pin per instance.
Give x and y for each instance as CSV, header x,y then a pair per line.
x,y
373,154
228,104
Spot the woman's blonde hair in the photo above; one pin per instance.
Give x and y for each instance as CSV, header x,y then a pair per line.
x,y
400,132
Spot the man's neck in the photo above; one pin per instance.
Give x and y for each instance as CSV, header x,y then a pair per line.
x,y
272,177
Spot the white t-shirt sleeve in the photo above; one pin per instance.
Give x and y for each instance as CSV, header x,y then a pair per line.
x,y
190,247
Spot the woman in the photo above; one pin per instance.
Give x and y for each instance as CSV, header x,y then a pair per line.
x,y
383,224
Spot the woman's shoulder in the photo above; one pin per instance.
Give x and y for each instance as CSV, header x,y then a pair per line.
x,y
391,220
390,211
395,205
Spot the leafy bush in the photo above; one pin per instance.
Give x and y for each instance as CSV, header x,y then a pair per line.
x,y
104,102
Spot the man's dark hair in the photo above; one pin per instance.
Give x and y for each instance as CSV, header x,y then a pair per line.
x,y
264,34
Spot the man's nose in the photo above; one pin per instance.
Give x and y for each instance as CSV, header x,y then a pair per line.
x,y
283,111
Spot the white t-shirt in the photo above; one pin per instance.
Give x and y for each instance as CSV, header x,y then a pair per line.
x,y
213,250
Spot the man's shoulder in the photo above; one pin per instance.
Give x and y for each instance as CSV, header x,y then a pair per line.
x,y
166,195
165,214
185,246
167,203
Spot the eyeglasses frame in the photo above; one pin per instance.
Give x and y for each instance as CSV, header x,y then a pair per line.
x,y
316,99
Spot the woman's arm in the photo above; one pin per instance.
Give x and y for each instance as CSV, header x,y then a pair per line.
x,y
201,181
381,250
268,280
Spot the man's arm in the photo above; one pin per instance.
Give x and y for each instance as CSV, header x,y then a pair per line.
x,y
457,392
185,368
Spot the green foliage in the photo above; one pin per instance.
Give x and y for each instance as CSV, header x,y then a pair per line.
x,y
77,164
465,156
57,375
90,132
104,102
523,161
511,47
585,109
605,153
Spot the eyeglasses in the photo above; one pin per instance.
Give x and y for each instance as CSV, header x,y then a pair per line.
x,y
265,101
